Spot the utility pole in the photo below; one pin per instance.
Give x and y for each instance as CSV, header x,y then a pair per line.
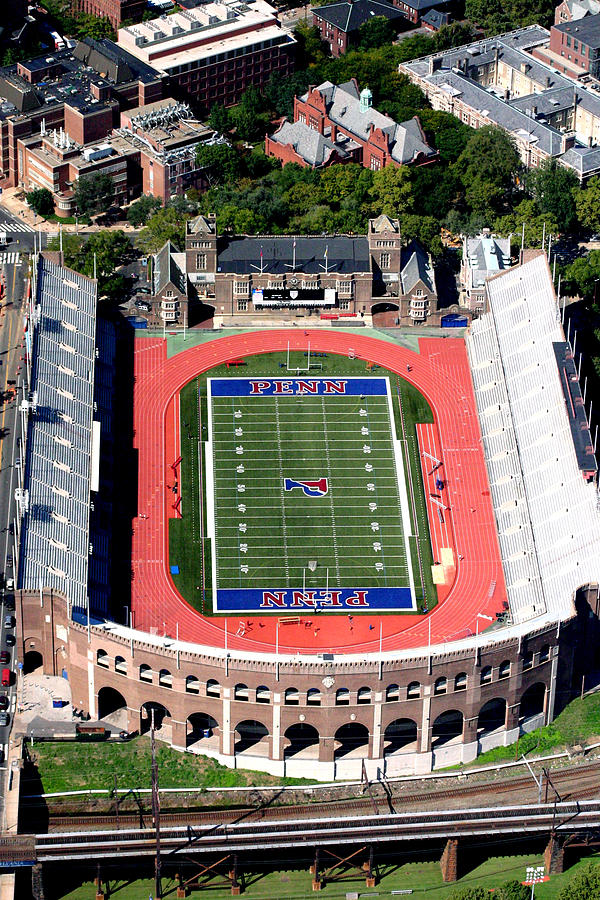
x,y
155,812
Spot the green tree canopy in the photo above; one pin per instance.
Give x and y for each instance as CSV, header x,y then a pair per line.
x,y
583,276
392,191
513,890
219,119
375,33
41,201
94,194
250,117
165,225
470,893
537,226
140,210
587,203
585,885
220,162
552,187
487,168
111,249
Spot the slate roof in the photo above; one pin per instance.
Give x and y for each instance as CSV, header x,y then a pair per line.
x,y
169,266
586,30
349,16
435,18
344,255
314,148
343,108
416,266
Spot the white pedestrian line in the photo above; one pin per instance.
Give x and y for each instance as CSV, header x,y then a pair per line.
x,y
10,259
15,226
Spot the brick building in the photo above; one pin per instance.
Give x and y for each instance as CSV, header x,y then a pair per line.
x,y
570,10
336,124
81,91
339,23
237,280
116,11
214,52
577,43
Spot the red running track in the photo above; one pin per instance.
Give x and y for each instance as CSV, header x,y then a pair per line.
x,y
441,372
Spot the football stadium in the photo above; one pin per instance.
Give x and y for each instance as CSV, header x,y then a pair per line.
x,y
350,551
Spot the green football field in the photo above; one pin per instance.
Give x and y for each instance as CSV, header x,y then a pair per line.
x,y
305,431
266,536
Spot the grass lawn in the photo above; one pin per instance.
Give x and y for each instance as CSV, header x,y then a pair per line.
x,y
69,766
578,722
188,542
424,878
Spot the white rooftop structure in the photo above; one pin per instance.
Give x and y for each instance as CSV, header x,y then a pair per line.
x,y
62,439
546,510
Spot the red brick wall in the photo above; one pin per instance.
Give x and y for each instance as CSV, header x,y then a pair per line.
x,y
332,35
114,10
558,45
88,127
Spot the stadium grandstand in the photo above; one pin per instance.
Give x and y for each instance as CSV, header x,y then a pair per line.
x,y
326,697
63,436
542,481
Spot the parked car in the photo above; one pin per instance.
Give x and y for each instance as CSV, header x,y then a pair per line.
x,y
4,701
4,657
143,304
10,640
143,290
9,601
4,719
9,621
9,561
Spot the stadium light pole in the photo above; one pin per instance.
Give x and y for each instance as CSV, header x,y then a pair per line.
x,y
533,875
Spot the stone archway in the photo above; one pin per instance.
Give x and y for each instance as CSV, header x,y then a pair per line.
x,y
201,732
447,728
251,737
492,716
32,661
112,707
303,741
351,741
400,736
162,727
533,702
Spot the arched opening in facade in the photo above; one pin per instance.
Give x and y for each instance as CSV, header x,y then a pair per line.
x,y
251,737
112,707
533,701
192,684
447,727
200,733
351,741
400,736
161,713
303,741
491,716
31,661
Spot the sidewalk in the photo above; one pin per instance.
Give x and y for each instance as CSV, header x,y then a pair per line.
x,y
11,200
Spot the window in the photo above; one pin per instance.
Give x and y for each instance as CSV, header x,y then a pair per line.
x,y
242,305
460,682
213,688
545,653
313,697
384,261
413,690
121,665
145,673
240,692
201,261
441,686
169,294
375,164
527,661
292,697
165,679
364,695
240,287
342,697
419,292
392,693
192,685
345,287
102,658
263,694
344,305
504,669
486,675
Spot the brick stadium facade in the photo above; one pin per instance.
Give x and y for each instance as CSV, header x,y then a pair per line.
x,y
408,715
116,11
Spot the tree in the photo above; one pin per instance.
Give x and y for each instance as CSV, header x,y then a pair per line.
x,y
165,225
392,191
424,229
140,211
587,203
41,201
512,890
537,226
72,246
250,117
219,119
585,885
470,893
552,188
583,276
220,162
94,194
375,33
106,250
487,168
94,27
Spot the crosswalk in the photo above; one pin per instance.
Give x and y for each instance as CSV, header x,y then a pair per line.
x,y
15,226
10,259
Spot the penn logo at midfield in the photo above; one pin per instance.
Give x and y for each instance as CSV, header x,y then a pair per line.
x,y
316,488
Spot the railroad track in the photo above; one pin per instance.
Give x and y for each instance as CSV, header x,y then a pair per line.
x,y
581,783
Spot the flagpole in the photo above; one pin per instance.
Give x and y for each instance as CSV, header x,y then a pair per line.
x,y
309,356
288,357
